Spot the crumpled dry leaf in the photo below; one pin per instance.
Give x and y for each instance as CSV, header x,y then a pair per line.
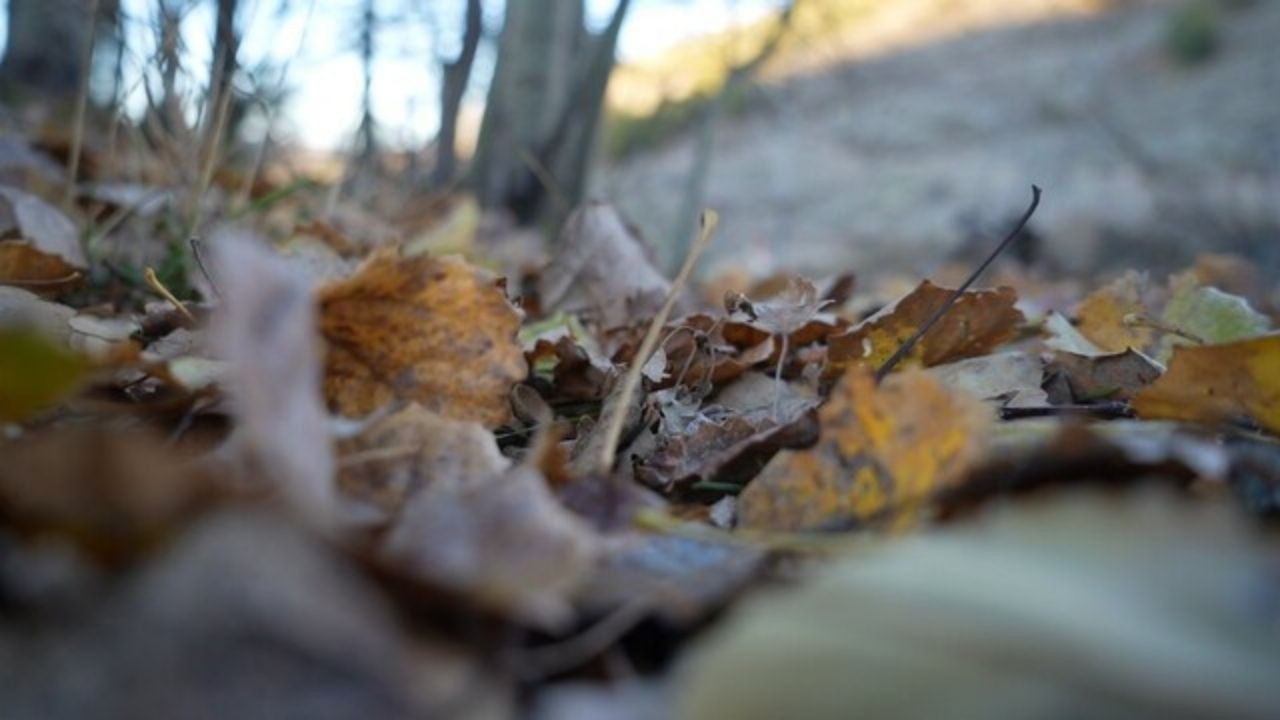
x,y
1012,378
883,451
265,331
599,255
1085,607
503,539
978,323
39,246
784,312
433,330
1071,378
1218,383
382,466
462,518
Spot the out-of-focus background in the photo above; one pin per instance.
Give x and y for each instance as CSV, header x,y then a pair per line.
x,y
828,133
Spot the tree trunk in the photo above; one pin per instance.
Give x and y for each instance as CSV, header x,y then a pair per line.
x,y
456,75
43,53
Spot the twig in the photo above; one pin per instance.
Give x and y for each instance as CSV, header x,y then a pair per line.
x,y
905,349
1106,411
154,283
82,104
198,254
613,430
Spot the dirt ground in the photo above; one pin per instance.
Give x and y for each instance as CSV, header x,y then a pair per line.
x,y
907,158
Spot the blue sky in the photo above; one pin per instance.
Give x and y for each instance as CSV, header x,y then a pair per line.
x,y
314,40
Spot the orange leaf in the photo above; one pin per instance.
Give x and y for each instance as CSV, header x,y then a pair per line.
x,y
979,322
1213,383
1101,314
433,330
883,450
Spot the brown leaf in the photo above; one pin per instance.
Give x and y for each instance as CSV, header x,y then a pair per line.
x,y
39,246
978,323
112,494
603,259
883,450
1085,379
432,330
1218,383
407,451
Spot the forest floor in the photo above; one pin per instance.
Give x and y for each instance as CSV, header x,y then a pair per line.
x,y
895,159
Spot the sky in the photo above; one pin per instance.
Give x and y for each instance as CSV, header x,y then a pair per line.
x,y
311,45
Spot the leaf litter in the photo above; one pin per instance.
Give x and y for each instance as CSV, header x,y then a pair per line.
x,y
433,489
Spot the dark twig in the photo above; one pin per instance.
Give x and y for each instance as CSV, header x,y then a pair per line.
x,y
1106,411
905,348
195,243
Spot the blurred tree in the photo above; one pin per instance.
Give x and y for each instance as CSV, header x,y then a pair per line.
x,y
543,108
454,85
43,55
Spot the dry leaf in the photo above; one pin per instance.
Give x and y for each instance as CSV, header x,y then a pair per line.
x,y
501,538
265,331
1073,378
436,331
1218,383
600,256
409,450
1012,378
39,246
35,373
882,450
978,323
1101,315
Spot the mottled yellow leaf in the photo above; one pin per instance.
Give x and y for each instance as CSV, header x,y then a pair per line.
x,y
882,452
1214,383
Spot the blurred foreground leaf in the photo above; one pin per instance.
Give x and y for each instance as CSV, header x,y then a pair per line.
x,y
35,373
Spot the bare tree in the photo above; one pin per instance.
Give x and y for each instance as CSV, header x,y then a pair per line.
x,y
543,108
457,73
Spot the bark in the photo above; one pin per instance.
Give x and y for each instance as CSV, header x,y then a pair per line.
x,y
42,56
456,75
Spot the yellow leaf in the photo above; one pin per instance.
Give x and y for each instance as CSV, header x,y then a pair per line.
x,y
1101,315
883,451
35,373
1214,383
433,330
979,322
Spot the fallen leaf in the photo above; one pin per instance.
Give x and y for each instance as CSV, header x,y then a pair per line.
x,y
35,373
265,331
882,452
1012,378
1208,315
978,323
1102,314
1074,378
39,246
786,311
432,330
603,259
1062,335
382,466
503,539
1090,606
1218,383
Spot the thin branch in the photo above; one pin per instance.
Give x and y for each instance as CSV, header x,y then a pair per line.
x,y
905,348
613,431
